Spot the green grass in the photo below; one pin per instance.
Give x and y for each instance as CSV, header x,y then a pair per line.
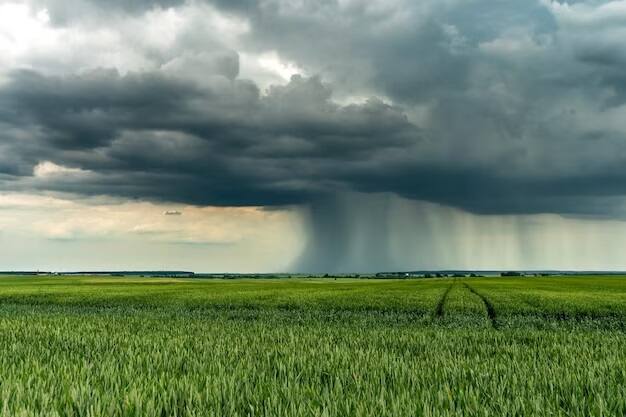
x,y
84,346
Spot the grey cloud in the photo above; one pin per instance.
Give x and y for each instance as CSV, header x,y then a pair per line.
x,y
153,136
490,107
84,111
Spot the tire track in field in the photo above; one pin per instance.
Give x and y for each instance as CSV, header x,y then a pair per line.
x,y
442,301
491,311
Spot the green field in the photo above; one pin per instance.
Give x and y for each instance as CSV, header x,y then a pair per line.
x,y
85,346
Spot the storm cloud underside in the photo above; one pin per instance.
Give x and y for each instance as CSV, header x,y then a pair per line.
x,y
489,110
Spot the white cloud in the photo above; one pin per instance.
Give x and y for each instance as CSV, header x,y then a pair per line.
x,y
593,32
28,39
585,14
22,32
47,169
272,62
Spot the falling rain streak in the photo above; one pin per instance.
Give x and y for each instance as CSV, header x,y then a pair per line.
x,y
368,233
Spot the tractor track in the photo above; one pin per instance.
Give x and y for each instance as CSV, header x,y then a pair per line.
x,y
491,311
442,301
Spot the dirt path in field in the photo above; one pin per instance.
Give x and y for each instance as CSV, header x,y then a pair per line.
x,y
442,300
491,311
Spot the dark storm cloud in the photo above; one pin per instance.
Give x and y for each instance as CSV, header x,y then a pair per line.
x,y
85,112
151,136
480,191
507,107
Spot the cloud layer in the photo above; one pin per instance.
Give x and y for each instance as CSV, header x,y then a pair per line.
x,y
506,107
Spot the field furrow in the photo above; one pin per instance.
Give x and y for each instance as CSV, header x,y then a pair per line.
x,y
488,305
439,309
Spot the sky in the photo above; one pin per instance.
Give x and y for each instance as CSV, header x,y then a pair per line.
x,y
312,136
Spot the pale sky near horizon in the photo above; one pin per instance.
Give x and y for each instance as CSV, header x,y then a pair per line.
x,y
327,135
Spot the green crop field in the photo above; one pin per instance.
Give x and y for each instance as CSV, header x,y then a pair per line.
x,y
85,346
